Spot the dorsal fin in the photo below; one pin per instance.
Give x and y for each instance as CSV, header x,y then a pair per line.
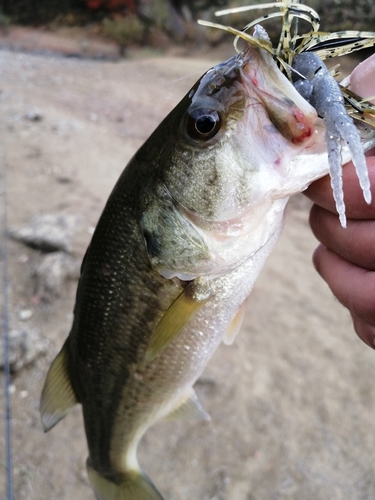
x,y
57,395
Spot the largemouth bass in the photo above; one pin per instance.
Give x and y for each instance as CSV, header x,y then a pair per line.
x,y
181,241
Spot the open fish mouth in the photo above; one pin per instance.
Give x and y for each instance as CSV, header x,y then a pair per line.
x,y
291,116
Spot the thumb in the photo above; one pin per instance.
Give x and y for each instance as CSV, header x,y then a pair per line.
x,y
362,79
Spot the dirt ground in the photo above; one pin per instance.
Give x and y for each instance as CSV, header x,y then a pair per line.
x,y
292,401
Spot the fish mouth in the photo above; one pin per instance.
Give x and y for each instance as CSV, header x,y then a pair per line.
x,y
292,116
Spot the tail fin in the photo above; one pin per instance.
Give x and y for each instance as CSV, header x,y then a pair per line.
x,y
134,486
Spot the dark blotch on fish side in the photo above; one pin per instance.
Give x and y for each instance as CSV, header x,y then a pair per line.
x,y
152,243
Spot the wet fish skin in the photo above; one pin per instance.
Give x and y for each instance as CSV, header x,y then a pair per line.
x,y
176,252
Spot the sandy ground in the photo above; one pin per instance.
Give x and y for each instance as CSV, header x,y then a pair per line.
x,y
292,401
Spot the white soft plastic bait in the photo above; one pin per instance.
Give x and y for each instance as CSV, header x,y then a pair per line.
x,y
315,83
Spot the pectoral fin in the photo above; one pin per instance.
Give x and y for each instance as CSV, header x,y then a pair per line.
x,y
57,395
235,325
174,319
189,407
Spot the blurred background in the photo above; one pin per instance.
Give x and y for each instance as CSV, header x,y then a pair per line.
x,y
82,85
160,23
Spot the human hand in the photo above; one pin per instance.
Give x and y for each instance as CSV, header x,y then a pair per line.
x,y
346,257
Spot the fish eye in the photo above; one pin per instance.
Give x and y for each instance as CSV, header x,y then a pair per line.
x,y
203,124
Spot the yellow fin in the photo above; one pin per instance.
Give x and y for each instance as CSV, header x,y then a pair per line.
x,y
132,486
235,325
189,407
57,395
174,319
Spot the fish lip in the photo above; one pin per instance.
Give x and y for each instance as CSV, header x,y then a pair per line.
x,y
217,77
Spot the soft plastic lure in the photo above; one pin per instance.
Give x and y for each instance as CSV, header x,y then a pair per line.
x,y
300,58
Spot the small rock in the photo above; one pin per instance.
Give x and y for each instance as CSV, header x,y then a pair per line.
x,y
25,345
25,314
51,273
64,180
48,233
34,116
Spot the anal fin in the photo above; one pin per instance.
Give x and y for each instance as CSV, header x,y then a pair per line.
x,y
57,395
189,407
235,325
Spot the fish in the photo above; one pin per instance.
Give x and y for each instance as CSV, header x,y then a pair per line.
x,y
174,257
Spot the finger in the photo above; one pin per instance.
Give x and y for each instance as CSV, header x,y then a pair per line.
x,y
356,243
364,331
320,192
362,78
353,286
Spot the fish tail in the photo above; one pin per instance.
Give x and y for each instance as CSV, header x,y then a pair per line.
x,y
134,485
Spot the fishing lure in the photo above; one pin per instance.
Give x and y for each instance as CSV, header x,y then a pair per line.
x,y
300,58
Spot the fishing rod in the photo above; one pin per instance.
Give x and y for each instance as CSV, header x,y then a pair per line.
x,y
4,259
